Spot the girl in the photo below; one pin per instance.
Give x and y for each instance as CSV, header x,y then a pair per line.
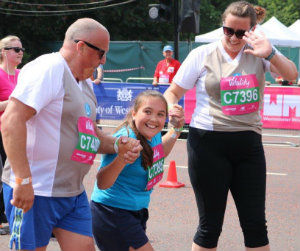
x,y
122,192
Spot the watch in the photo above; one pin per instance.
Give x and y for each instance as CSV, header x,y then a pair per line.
x,y
21,181
273,52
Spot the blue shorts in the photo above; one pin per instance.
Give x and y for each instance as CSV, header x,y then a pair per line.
x,y
118,229
34,228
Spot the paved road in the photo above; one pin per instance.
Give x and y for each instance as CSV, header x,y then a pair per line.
x,y
173,213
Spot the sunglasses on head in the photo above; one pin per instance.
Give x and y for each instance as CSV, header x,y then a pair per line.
x,y
100,51
16,49
229,32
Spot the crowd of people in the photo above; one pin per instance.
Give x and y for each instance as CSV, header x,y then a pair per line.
x,y
50,137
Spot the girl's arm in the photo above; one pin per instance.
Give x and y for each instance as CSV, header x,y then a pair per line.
x,y
169,139
107,175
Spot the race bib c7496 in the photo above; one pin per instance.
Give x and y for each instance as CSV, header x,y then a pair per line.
x,y
88,142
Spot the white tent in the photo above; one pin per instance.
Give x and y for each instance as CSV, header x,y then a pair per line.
x,y
210,36
285,36
276,32
295,27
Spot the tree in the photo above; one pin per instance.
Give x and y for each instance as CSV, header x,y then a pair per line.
x,y
286,12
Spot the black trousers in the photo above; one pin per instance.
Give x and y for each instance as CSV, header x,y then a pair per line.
x,y
220,162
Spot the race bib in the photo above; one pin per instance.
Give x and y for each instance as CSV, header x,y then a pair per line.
x,y
163,78
156,171
88,143
239,94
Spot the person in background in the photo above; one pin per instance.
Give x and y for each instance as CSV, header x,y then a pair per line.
x,y
98,75
51,140
166,68
283,82
225,151
11,54
121,195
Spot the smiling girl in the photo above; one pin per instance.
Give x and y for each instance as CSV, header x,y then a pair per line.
x,y
122,192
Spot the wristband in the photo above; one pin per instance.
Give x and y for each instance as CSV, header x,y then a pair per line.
x,y
170,106
273,52
116,145
21,181
178,129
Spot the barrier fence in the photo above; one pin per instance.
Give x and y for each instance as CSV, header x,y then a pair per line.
x,y
280,113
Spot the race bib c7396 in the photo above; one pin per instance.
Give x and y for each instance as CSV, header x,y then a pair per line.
x,y
239,94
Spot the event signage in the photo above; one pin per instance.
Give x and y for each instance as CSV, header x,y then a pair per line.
x,y
115,99
281,107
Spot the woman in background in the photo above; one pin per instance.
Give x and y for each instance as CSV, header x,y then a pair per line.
x,y
10,57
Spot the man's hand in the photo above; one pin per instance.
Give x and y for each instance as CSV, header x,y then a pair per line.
x,y
129,149
23,196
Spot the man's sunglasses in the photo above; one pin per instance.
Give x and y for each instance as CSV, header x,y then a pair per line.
x,y
16,49
100,51
229,32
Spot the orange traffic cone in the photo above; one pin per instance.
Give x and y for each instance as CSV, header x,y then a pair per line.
x,y
172,177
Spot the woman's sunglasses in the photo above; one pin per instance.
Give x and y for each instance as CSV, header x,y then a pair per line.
x,y
16,49
229,32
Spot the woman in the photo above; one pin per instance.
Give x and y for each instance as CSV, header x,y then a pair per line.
x,y
225,150
10,57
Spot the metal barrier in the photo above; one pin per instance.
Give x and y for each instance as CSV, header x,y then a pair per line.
x,y
108,80
130,79
283,134
294,135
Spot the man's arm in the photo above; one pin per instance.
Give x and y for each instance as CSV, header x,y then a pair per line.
x,y
14,134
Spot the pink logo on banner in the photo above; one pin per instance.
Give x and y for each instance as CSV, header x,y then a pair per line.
x,y
281,107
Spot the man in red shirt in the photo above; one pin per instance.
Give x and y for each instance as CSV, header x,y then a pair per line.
x,y
166,68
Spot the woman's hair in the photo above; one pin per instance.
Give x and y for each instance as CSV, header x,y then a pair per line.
x,y
4,42
245,9
147,152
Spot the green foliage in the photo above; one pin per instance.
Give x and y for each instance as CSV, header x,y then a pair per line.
x,y
125,22
286,12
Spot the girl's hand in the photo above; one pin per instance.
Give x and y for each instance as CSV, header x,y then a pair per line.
x,y
176,116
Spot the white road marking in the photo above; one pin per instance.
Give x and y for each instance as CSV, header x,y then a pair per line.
x,y
185,167
268,173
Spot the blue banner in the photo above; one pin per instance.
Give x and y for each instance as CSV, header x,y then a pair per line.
x,y
115,99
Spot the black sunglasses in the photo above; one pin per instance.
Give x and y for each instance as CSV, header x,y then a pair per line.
x,y
16,49
229,32
100,51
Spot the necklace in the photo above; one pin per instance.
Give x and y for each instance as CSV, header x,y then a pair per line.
x,y
10,76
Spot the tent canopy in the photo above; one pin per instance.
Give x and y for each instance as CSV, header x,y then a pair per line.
x,y
295,27
276,32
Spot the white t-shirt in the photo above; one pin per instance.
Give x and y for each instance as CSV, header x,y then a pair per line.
x,y
204,67
48,86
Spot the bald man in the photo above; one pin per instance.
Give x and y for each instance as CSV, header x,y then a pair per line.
x,y
50,138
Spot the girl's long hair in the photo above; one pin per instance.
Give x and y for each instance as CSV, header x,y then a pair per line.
x,y
147,152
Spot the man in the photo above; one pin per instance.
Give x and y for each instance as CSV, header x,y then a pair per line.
x,y
166,68
51,140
